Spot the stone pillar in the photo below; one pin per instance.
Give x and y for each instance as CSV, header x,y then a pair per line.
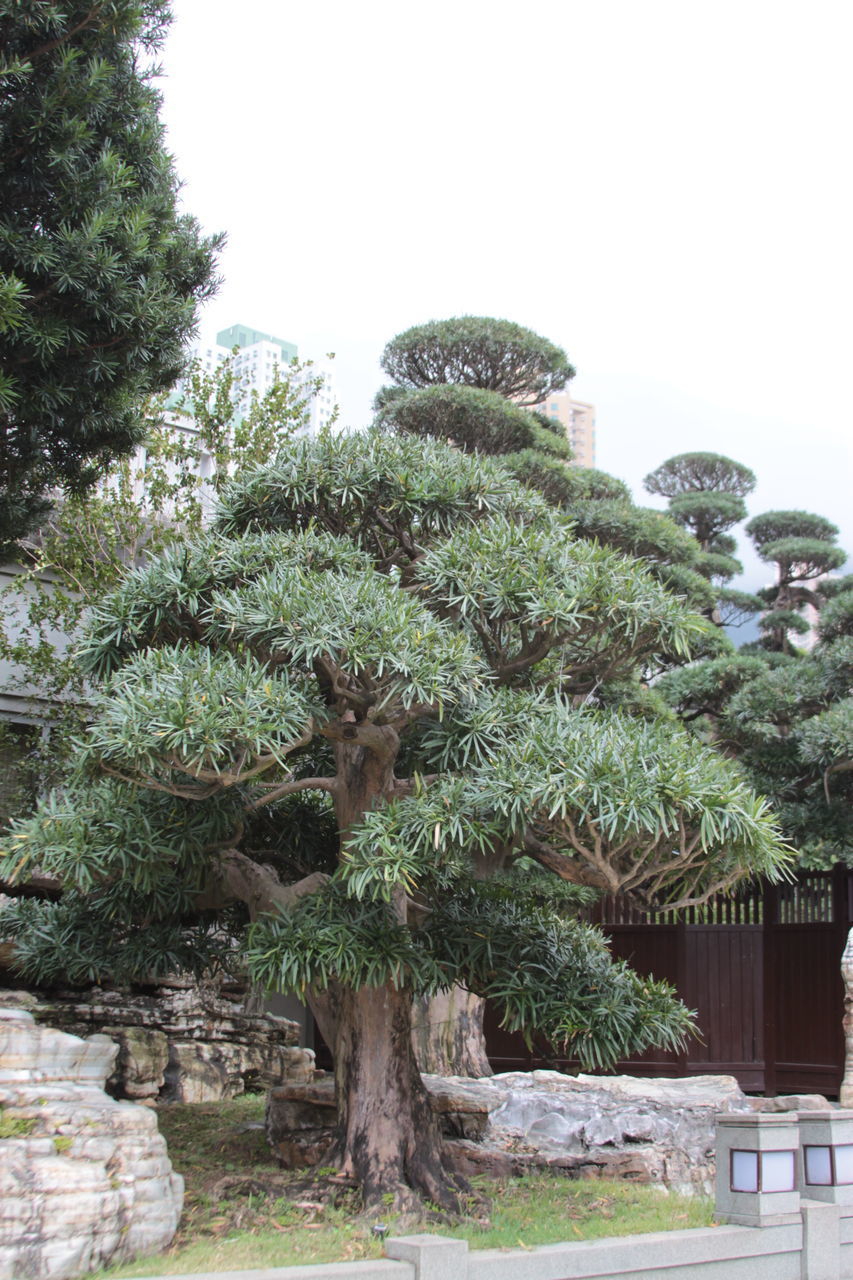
x,y
845,1096
433,1257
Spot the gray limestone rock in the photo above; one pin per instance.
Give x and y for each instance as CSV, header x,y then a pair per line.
x,y
87,1180
185,1042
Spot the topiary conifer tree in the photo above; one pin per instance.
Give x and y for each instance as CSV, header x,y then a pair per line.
x,y
706,493
392,643
802,547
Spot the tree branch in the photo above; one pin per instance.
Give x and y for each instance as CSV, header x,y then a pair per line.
x,y
290,788
237,876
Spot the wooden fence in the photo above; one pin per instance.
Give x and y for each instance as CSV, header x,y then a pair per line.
x,y
761,970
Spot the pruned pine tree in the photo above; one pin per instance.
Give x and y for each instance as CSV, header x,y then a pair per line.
x,y
802,547
401,641
706,494
788,720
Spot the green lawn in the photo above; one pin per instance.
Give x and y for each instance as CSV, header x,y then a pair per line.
x,y
241,1211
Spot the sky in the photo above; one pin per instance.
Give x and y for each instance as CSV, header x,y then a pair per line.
x,y
662,188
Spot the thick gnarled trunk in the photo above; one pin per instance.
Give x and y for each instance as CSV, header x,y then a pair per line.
x,y
388,1137
447,1033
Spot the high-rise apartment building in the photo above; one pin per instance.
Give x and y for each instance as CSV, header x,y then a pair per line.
x,y
578,418
258,358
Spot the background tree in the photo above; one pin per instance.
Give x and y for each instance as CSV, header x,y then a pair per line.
x,y
100,276
706,493
445,391
477,351
399,634
802,547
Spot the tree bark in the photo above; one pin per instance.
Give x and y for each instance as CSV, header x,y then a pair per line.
x,y
388,1137
447,1034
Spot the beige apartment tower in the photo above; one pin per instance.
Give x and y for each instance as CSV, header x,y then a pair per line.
x,y
578,418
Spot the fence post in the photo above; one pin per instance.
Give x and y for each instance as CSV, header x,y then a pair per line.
x,y
770,917
682,969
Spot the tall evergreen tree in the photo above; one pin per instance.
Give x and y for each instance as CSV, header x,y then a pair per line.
x,y
100,276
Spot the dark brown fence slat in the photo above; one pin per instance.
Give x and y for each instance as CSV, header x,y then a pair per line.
x,y
760,968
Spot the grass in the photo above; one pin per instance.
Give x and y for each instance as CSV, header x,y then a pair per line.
x,y
241,1211
15,1126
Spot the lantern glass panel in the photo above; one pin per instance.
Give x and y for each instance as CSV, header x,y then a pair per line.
x,y
844,1164
777,1171
818,1162
744,1171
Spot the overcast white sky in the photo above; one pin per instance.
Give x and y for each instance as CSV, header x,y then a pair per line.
x,y
660,186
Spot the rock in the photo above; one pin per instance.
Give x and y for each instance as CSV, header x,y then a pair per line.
x,y
650,1130
299,1122
184,1043
87,1182
845,1094
793,1102
463,1111
140,1067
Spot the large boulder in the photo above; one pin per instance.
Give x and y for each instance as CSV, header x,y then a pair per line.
x,y
183,1042
653,1131
658,1131
85,1180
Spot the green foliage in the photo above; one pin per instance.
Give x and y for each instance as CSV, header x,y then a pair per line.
x,y
471,418
476,351
577,781
783,620
802,547
736,607
553,974
637,531
704,688
384,493
707,515
706,492
12,1126
100,275
786,719
773,525
700,473
802,558
563,486
211,716
332,937
531,593
139,510
108,837
836,618
82,940
717,568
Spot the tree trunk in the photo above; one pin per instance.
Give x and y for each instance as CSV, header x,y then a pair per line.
x,y
388,1137
447,1033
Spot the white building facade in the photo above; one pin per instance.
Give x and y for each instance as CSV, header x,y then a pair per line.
x,y
258,359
